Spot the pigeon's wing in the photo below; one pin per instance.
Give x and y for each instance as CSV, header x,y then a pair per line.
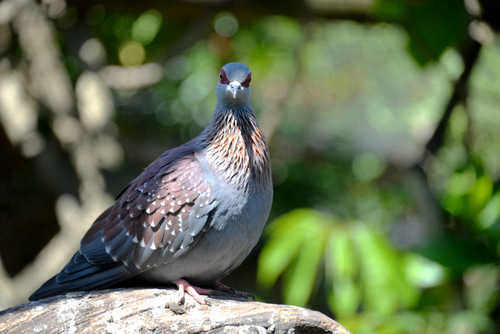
x,y
159,217
156,219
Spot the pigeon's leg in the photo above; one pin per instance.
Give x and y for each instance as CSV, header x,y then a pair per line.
x,y
222,287
193,291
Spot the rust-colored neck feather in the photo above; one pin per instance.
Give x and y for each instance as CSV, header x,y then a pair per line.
x,y
237,148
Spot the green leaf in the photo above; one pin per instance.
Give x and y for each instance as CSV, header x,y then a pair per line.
x,y
340,257
480,194
490,215
432,25
287,234
277,253
300,280
431,32
345,298
385,286
341,268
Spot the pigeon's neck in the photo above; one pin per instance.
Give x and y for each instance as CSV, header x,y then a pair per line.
x,y
236,147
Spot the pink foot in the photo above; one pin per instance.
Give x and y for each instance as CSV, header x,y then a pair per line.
x,y
193,291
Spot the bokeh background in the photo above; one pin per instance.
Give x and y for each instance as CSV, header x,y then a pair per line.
x,y
382,118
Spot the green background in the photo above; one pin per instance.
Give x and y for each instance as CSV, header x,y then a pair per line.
x,y
381,117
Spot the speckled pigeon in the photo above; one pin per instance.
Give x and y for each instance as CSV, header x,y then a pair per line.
x,y
193,215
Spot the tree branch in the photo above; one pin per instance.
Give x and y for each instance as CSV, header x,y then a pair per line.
x,y
459,96
157,310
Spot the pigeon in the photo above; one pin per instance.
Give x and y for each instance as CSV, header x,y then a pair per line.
x,y
192,216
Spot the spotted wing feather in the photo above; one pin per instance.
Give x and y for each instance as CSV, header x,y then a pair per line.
x,y
160,216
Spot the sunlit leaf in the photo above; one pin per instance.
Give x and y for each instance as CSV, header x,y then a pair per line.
x,y
422,272
345,298
300,280
340,270
276,255
287,234
385,287
490,214
480,193
341,261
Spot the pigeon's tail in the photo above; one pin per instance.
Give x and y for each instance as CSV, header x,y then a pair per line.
x,y
81,275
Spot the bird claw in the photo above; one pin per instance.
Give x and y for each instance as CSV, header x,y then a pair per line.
x,y
196,292
193,291
232,291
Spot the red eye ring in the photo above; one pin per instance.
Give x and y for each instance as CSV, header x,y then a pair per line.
x,y
246,83
223,77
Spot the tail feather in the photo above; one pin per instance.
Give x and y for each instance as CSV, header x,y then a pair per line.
x,y
80,275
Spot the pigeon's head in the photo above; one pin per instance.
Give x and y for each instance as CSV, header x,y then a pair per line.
x,y
234,84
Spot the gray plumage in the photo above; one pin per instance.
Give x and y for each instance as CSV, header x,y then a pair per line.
x,y
195,213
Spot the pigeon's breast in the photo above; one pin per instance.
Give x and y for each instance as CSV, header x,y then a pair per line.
x,y
236,223
236,229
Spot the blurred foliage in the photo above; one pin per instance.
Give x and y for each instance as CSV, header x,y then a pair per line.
x,y
366,225
430,32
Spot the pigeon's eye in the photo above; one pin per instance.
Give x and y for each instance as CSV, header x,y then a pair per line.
x,y
246,83
223,77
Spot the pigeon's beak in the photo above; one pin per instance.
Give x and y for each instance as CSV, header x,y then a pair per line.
x,y
234,88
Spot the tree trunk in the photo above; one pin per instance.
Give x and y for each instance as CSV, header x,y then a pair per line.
x,y
157,310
